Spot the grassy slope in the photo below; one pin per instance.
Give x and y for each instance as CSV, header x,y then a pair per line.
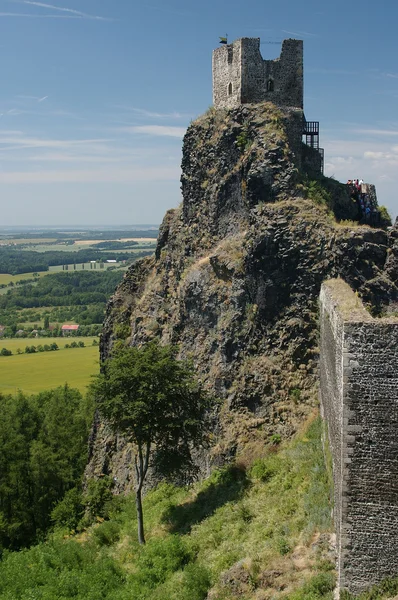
x,y
240,534
34,373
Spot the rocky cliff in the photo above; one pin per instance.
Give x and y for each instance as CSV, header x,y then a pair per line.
x,y
236,277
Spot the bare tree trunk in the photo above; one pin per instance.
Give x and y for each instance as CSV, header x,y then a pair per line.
x,y
141,469
140,516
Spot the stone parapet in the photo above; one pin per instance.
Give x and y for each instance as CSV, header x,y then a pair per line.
x,y
359,400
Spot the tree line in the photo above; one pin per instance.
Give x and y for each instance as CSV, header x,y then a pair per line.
x,y
16,261
64,289
43,452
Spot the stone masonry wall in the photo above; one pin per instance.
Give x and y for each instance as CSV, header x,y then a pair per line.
x,y
227,71
242,76
359,399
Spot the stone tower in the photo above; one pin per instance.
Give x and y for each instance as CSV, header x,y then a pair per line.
x,y
242,76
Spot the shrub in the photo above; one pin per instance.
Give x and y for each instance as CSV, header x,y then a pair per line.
x,y
5,352
275,439
243,141
263,469
69,510
319,586
98,498
196,582
283,546
317,193
158,559
107,533
122,330
385,218
295,395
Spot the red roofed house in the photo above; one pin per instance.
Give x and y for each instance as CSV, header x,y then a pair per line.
x,y
67,329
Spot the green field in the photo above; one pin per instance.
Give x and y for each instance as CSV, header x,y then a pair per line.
x,y
33,373
62,247
6,278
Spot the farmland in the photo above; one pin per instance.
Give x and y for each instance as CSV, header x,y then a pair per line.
x,y
53,278
33,373
30,253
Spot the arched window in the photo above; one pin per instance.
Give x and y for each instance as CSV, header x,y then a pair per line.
x,y
270,85
230,89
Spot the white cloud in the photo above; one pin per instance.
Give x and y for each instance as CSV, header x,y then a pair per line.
x,y
126,175
370,154
37,16
300,33
156,115
382,132
157,130
11,142
70,13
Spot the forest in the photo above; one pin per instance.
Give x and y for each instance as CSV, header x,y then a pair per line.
x,y
15,261
43,452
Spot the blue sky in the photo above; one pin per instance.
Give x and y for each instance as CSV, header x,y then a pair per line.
x,y
95,96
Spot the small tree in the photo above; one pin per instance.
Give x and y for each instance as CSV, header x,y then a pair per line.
x,y
154,401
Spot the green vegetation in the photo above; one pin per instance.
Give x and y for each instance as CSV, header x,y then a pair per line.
x,y
385,217
77,297
36,372
43,450
14,261
317,193
6,279
243,140
33,252
197,535
64,289
153,399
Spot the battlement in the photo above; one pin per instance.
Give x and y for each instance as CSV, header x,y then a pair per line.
x,y
242,76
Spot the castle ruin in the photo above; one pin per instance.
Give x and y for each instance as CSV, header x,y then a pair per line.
x,y
242,76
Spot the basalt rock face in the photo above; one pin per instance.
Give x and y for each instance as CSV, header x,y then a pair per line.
x,y
235,282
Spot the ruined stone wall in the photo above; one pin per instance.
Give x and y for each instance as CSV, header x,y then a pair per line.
x,y
227,72
359,398
242,76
